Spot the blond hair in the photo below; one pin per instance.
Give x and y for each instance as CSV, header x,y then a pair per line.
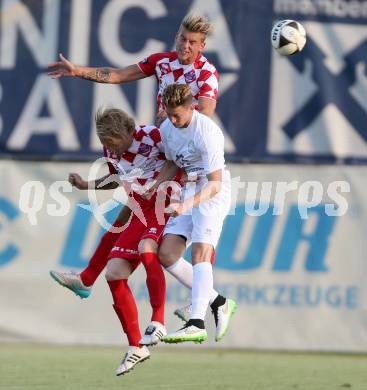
x,y
177,95
112,123
196,24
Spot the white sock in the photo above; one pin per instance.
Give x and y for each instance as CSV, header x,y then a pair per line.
x,y
182,271
201,287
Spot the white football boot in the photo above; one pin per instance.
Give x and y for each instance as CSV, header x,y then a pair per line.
x,y
187,333
222,317
72,281
153,333
184,313
133,356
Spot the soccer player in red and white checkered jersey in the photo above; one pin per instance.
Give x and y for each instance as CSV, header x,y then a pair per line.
x,y
135,151
186,65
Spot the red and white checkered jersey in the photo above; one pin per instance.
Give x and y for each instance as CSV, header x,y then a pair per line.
x,y
201,76
143,160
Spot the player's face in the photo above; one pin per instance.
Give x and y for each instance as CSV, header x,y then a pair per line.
x,y
120,145
180,116
189,45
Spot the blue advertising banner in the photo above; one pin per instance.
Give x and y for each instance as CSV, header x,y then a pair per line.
x,y
310,107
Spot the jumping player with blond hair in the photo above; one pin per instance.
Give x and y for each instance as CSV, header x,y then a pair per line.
x,y
185,65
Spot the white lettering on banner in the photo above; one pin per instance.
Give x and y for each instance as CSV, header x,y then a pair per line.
x,y
32,195
336,8
113,95
109,31
80,25
45,90
341,202
220,40
16,18
359,89
64,203
41,38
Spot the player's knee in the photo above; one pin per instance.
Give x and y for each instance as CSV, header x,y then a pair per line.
x,y
112,274
166,257
117,269
147,246
201,253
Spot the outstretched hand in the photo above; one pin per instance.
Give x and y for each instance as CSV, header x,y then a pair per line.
x,y
175,209
62,68
76,181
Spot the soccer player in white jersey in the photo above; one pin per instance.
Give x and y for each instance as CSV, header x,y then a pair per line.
x,y
185,65
193,142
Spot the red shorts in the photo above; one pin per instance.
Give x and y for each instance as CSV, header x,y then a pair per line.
x,y
126,246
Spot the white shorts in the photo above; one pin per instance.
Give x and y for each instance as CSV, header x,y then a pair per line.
x,y
202,224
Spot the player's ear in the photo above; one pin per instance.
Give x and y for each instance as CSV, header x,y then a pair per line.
x,y
203,42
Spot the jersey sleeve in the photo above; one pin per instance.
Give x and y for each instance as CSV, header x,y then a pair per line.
x,y
148,65
211,144
111,168
208,83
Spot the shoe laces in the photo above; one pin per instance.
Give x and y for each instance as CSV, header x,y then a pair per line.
x,y
185,326
215,314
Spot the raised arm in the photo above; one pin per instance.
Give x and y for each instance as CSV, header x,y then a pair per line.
x,y
207,106
76,181
100,75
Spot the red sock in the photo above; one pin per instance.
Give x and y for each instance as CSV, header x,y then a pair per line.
x,y
156,284
126,310
100,257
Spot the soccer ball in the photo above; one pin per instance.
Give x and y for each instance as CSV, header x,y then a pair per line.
x,y
288,37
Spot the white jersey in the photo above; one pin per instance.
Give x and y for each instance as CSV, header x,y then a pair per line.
x,y
198,148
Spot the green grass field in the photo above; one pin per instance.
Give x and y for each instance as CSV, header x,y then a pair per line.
x,y
33,367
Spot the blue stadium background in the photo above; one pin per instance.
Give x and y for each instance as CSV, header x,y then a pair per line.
x,y
244,103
